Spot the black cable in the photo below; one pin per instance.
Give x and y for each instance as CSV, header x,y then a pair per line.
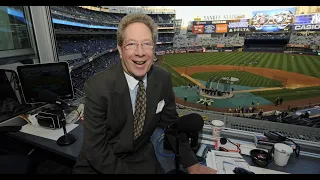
x,y
297,149
224,141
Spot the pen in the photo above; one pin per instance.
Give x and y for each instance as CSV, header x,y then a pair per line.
x,y
228,156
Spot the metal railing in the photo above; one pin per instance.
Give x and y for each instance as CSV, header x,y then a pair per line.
x,y
302,133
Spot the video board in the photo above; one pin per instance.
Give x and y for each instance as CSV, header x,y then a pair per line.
x,y
220,26
307,22
272,20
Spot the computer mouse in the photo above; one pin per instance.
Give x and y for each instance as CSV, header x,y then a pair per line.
x,y
239,170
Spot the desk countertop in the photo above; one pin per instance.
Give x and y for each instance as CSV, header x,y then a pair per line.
x,y
300,165
71,151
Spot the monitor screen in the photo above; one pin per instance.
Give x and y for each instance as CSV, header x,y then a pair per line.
x,y
8,99
54,77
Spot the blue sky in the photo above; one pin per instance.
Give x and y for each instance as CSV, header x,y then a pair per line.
x,y
186,13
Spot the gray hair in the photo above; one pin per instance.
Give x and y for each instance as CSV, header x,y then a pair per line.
x,y
133,18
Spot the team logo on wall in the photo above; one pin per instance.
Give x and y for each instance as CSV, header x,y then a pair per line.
x,y
209,29
260,20
281,18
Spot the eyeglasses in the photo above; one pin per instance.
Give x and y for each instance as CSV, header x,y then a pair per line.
x,y
134,46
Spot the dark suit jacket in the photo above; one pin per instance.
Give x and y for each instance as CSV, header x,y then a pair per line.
x,y
108,145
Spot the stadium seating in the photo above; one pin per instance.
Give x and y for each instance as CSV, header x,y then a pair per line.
x,y
164,47
86,47
182,40
89,46
268,36
79,76
165,38
309,39
83,15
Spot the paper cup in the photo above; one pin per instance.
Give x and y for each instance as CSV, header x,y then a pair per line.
x,y
282,153
216,128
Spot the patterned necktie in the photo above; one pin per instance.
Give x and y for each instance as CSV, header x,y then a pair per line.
x,y
140,111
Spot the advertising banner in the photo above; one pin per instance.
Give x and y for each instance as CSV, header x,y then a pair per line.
x,y
243,23
208,29
307,19
272,20
221,28
238,25
215,50
201,22
220,45
208,22
239,30
312,27
198,29
297,45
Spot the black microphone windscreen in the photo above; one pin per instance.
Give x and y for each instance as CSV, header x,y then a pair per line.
x,y
223,141
190,123
48,96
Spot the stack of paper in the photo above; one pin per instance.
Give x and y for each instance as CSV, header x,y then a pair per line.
x,y
225,162
46,133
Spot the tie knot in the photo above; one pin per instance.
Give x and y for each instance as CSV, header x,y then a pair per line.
x,y
140,83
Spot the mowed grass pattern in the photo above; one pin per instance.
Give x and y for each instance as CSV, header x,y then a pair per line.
x,y
303,64
290,94
177,79
245,78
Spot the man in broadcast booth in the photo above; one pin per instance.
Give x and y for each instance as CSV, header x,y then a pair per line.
x,y
124,105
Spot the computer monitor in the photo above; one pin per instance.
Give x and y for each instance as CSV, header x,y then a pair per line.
x,y
8,98
54,77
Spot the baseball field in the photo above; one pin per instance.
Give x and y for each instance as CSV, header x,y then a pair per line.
x,y
293,77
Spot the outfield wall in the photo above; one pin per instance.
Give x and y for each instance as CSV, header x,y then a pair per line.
x,y
270,50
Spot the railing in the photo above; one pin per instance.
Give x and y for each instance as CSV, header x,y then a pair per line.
x,y
302,133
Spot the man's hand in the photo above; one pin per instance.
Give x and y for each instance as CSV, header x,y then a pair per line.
x,y
201,169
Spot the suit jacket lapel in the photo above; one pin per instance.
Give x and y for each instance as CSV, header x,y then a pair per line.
x,y
122,107
152,97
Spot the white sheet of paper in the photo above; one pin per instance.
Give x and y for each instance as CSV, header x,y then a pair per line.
x,y
46,133
225,162
209,159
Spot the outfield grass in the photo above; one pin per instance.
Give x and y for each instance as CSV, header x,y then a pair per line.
x,y
303,64
290,94
245,78
177,79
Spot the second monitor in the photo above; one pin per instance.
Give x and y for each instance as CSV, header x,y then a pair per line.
x,y
54,77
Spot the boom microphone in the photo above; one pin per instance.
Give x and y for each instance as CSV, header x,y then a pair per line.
x,y
50,97
177,138
189,123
